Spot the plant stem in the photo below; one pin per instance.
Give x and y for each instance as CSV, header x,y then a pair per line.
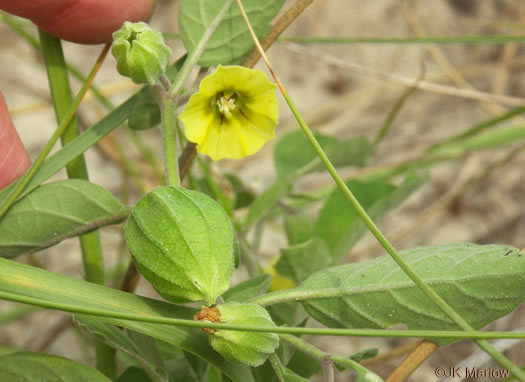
x,y
494,39
169,102
114,314
170,141
90,242
315,352
277,367
431,294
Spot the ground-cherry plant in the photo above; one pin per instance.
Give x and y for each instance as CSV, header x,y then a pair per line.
x,y
199,228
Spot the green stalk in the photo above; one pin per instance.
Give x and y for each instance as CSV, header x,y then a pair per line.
x,y
90,242
431,294
169,100
170,141
502,39
278,367
393,114
427,334
315,352
405,40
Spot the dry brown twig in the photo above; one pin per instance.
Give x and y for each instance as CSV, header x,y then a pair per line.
x,y
419,355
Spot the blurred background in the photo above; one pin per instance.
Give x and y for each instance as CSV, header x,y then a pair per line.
x,y
346,89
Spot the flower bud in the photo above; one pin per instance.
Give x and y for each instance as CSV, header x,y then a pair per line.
x,y
140,52
250,348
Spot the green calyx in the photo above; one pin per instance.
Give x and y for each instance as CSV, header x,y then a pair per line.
x,y
182,243
140,52
250,348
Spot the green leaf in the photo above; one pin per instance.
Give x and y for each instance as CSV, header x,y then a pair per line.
x,y
182,243
248,289
266,201
304,365
214,375
118,339
53,289
300,261
54,212
244,196
496,138
288,313
357,357
364,355
338,223
146,111
290,376
180,370
294,152
134,374
199,367
481,283
231,40
298,227
265,372
42,367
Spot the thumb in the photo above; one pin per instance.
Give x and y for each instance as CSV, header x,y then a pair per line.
x,y
84,21
14,160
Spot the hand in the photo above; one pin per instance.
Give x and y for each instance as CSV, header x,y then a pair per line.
x,y
83,21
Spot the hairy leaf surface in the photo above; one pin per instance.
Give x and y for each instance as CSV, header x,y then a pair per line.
x,y
54,212
231,40
482,283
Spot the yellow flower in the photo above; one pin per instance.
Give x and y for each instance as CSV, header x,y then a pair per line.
x,y
234,113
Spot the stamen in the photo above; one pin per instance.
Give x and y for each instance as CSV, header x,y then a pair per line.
x,y
226,104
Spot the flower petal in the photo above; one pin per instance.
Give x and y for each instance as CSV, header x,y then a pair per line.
x,y
198,117
249,126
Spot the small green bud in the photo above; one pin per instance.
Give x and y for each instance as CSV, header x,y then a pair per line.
x,y
140,52
182,243
250,348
